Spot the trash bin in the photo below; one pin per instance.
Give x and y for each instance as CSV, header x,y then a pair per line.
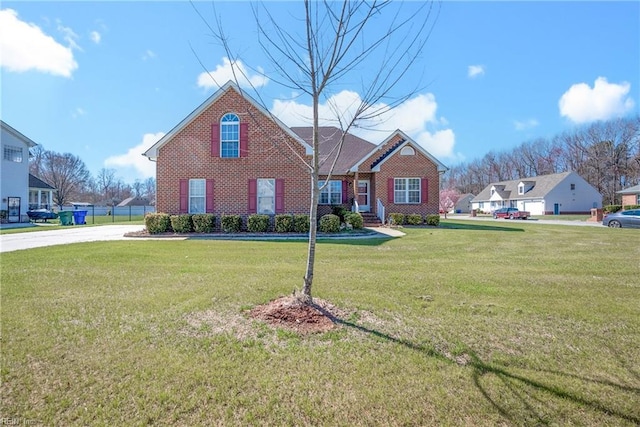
x,y
66,217
79,217
473,212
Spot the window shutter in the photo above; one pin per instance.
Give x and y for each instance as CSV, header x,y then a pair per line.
x,y
253,196
424,186
390,191
184,196
244,139
279,196
215,140
209,196
345,189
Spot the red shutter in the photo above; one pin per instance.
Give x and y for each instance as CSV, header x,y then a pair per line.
x,y
215,140
253,196
209,197
279,195
390,191
424,186
184,196
244,139
345,188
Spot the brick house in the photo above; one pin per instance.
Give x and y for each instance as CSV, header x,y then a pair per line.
x,y
231,156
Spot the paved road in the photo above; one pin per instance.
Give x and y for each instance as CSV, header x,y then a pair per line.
x,y
36,239
529,221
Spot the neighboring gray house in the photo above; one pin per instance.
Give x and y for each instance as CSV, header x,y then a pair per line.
x,y
559,193
463,205
631,195
14,187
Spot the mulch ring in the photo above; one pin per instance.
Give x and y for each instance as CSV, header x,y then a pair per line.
x,y
289,312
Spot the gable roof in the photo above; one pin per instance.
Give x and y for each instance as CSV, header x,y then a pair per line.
x,y
631,190
28,142
35,182
329,136
152,152
509,189
404,141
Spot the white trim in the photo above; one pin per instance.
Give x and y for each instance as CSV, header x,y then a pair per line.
x,y
406,179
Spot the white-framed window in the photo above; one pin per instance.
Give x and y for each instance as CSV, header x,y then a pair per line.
x,y
13,154
521,188
197,188
266,196
406,190
230,136
331,194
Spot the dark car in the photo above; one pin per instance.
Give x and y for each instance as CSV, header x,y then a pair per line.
x,y
626,219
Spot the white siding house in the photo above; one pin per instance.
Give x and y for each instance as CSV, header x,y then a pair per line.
x,y
560,193
14,187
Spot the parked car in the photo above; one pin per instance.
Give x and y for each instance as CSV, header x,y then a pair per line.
x,y
626,219
510,213
41,214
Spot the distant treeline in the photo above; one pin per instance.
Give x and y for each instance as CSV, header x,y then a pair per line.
x,y
606,154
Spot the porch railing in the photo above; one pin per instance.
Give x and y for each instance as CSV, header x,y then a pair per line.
x,y
380,210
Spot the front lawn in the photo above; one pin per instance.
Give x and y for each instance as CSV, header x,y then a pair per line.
x,y
471,323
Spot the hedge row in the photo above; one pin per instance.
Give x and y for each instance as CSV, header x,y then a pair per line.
x,y
413,219
207,223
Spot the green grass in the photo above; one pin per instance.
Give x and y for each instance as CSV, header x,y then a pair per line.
x,y
466,324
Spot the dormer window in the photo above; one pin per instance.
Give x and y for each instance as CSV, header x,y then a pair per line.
x,y
493,190
407,151
521,188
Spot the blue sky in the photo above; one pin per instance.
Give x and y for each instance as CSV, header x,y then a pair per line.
x,y
105,80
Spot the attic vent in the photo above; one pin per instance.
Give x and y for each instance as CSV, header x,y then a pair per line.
x,y
386,153
407,151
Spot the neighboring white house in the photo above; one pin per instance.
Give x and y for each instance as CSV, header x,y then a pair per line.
x,y
40,194
14,189
559,193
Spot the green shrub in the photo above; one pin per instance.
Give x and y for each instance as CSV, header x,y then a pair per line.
x,y
340,212
258,223
157,222
414,219
627,207
611,208
204,223
301,223
355,219
433,219
283,223
181,223
231,223
330,223
396,218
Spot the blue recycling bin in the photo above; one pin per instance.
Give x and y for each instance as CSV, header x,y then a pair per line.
x,y
79,217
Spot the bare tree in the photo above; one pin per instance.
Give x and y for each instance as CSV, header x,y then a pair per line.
x,y
336,40
64,172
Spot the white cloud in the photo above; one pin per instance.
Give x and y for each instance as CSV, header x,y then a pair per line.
x,y
69,36
148,54
95,37
24,47
133,165
474,71
582,104
224,72
525,124
416,117
78,112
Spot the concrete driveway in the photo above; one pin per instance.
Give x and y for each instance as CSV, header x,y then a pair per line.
x,y
36,239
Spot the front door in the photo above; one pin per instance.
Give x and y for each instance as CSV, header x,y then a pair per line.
x,y
13,204
556,209
364,195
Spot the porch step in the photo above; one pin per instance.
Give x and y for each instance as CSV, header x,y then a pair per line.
x,y
370,220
